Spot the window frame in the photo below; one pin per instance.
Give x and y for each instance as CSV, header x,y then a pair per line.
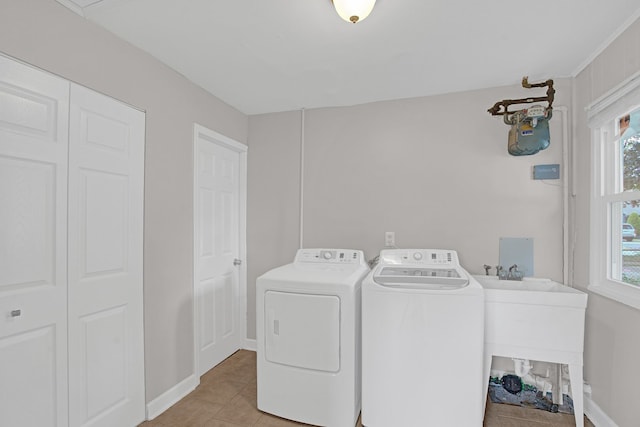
x,y
606,190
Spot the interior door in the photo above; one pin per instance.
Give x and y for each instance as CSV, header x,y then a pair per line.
x,y
33,246
106,175
217,245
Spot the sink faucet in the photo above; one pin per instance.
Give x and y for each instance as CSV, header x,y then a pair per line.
x,y
514,273
486,269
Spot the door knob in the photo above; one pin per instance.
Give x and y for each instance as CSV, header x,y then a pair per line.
x,y
237,261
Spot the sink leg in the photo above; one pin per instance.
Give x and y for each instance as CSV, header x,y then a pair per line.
x,y
575,376
488,357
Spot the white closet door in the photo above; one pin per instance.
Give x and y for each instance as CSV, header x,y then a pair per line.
x,y
106,165
33,247
217,245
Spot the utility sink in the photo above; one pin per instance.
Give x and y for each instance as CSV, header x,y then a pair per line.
x,y
536,319
539,315
532,291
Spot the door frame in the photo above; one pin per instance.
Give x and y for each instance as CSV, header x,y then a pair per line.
x,y
202,133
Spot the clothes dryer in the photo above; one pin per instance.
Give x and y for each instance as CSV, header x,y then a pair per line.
x,y
308,337
422,342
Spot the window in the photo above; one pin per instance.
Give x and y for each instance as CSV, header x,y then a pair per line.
x,y
615,198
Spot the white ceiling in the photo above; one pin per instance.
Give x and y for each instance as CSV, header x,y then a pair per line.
x,y
263,56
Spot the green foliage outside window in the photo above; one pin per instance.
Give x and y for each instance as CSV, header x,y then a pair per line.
x,y
634,220
631,148
630,139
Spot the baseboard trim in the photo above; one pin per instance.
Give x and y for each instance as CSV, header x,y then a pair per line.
x,y
163,402
596,415
250,344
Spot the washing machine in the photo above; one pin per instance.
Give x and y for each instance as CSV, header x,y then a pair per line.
x,y
422,341
308,337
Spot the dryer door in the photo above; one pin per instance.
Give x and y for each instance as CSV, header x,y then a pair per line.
x,y
302,330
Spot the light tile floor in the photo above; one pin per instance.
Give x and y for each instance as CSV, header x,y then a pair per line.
x,y
226,397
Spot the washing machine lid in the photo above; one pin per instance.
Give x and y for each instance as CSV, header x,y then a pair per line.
x,y
444,278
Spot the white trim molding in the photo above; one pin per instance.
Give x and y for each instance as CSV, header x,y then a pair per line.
x,y
170,397
606,193
251,344
620,98
81,7
595,414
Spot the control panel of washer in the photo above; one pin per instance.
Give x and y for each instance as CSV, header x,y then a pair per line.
x,y
440,257
330,256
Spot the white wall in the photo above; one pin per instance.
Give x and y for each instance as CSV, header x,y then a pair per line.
x,y
50,36
435,170
273,198
612,342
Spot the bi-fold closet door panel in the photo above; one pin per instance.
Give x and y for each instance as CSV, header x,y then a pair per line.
x,y
106,355
33,246
71,212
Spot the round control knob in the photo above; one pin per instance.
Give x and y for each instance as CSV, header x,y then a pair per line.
x,y
327,255
417,256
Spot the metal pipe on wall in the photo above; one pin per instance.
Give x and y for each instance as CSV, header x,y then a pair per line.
x,y
302,117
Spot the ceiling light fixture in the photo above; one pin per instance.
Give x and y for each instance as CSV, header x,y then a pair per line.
x,y
353,10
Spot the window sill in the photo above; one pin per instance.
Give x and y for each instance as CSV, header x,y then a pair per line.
x,y
624,294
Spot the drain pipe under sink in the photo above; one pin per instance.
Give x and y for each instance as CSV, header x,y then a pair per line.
x,y
522,368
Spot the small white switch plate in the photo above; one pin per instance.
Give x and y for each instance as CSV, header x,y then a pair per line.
x,y
389,238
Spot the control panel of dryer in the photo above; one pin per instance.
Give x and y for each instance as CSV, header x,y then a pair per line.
x,y
330,256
